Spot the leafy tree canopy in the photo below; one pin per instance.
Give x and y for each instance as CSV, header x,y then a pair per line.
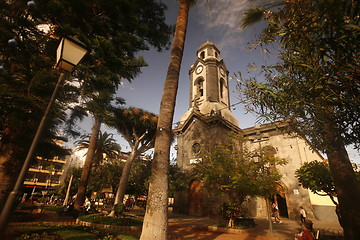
x,y
178,179
138,184
316,176
136,125
114,31
106,175
315,85
316,82
242,174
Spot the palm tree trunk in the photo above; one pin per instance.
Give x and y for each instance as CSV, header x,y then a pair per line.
x,y
80,196
124,179
155,220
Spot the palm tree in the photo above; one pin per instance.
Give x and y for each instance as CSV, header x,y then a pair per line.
x,y
155,220
138,128
99,105
105,144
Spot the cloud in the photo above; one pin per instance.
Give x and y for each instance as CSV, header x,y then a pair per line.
x,y
222,20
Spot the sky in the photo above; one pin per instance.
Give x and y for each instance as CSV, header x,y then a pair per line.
x,y
217,21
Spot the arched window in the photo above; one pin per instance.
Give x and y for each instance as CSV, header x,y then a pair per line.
x,y
222,87
199,86
202,55
216,54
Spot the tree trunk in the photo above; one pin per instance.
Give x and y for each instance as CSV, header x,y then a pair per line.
x,y
7,181
8,173
80,196
347,189
347,186
155,220
124,179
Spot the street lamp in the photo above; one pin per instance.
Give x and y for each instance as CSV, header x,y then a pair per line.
x,y
259,159
69,53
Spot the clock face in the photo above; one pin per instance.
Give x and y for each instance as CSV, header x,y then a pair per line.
x,y
222,72
199,69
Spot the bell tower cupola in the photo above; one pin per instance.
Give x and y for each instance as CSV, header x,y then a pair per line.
x,y
209,85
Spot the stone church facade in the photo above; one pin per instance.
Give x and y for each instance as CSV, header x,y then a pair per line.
x,y
208,122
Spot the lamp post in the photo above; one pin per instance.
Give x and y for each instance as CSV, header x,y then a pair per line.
x,y
69,53
258,139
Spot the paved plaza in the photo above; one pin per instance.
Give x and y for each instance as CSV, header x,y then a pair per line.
x,y
183,227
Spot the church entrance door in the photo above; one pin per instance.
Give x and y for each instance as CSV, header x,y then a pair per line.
x,y
195,198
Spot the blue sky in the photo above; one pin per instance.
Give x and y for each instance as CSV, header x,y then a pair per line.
x,y
217,21
219,24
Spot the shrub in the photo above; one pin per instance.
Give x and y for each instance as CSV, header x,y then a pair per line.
x,y
119,209
117,221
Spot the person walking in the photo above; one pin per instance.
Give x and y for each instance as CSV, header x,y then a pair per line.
x,y
276,213
302,214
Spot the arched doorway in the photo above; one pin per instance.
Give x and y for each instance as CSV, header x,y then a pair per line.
x,y
282,205
280,200
195,198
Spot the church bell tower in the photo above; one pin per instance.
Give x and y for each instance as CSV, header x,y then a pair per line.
x,y
209,85
207,122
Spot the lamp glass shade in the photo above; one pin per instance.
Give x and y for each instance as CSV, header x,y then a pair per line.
x,y
69,53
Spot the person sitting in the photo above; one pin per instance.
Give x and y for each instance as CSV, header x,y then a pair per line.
x,y
306,234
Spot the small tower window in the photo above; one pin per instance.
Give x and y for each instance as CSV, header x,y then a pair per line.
x,y
199,85
202,55
222,83
216,54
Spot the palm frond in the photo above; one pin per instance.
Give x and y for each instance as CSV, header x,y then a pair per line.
x,y
252,16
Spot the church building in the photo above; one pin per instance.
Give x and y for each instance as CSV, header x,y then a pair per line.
x,y
209,121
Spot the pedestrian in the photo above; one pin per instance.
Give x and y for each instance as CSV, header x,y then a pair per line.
x,y
302,214
306,234
276,213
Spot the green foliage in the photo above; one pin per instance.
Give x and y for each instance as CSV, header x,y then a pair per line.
x,y
117,221
316,176
138,183
315,84
178,179
231,210
114,31
105,145
119,209
135,125
105,175
237,174
65,232
62,188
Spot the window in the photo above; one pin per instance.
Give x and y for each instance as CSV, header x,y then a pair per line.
x,y
202,55
199,87
222,83
196,147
